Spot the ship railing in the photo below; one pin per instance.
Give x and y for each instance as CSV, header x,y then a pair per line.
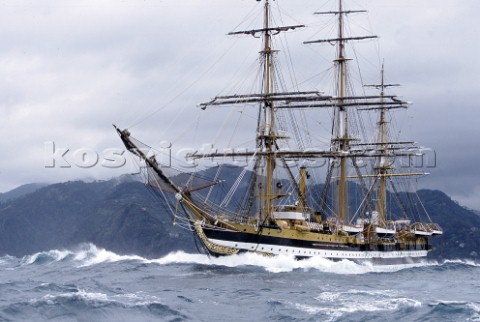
x,y
435,228
420,229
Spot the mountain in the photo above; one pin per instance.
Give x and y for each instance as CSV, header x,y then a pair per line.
x,y
125,216
20,191
461,227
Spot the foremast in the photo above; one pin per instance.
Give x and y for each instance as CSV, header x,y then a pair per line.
x,y
342,139
268,139
266,133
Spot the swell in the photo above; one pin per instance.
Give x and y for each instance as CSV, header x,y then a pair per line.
x,y
454,310
78,303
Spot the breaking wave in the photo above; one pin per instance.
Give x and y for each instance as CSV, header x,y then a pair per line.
x,y
89,255
84,255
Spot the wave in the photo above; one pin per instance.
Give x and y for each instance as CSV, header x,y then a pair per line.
x,y
450,265
356,303
456,310
88,255
88,305
46,257
85,255
351,306
359,305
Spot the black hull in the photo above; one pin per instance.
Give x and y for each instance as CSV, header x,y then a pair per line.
x,y
378,253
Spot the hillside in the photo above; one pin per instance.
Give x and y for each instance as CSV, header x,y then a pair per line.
x,y
20,191
461,227
127,217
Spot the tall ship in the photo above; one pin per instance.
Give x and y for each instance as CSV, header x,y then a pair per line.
x,y
322,175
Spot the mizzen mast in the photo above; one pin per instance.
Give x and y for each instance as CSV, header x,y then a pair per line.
x,y
383,163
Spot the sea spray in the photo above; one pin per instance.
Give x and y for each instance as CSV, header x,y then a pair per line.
x,y
89,254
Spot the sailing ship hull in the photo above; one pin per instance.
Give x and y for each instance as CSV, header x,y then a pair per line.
x,y
263,242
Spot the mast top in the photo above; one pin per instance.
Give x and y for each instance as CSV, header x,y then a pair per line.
x,y
382,86
266,30
343,12
341,39
275,30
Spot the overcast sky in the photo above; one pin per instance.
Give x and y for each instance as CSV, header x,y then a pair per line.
x,y
71,68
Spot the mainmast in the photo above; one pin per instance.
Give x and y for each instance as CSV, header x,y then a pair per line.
x,y
341,140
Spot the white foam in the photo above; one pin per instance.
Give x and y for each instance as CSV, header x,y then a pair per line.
x,y
86,255
474,306
353,301
138,299
93,256
284,263
328,296
276,264
460,261
82,294
89,254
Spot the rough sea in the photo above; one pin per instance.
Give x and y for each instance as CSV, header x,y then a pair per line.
x,y
93,284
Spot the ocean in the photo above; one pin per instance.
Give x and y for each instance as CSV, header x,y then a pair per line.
x,y
88,283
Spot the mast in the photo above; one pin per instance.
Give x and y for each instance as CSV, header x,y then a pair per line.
x,y
269,139
342,135
383,162
266,136
341,140
382,165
